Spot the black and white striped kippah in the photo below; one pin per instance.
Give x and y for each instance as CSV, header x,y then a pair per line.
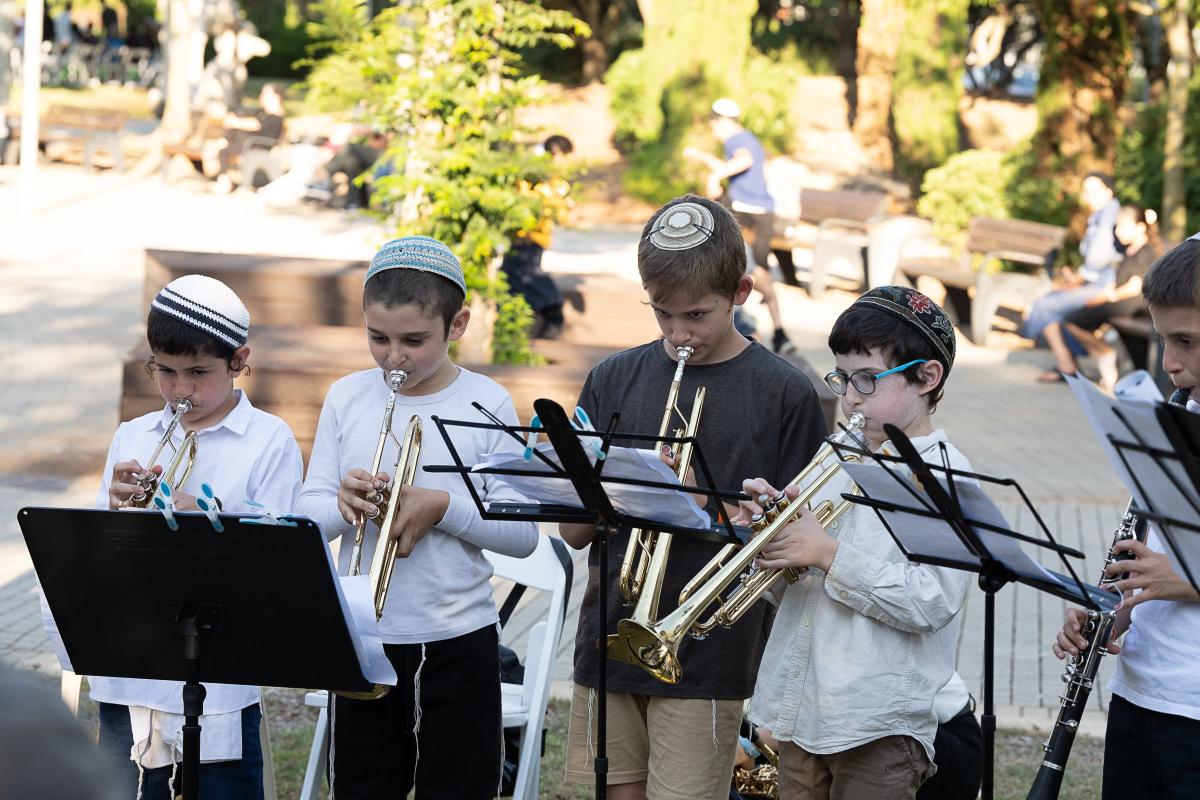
x,y
207,305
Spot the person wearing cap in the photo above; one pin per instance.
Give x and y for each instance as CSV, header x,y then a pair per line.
x,y
761,416
864,640
748,197
439,729
197,330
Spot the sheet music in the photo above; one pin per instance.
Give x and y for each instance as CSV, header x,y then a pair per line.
x,y
933,538
674,508
358,609
1169,493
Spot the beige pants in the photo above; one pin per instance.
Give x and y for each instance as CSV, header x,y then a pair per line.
x,y
891,768
683,749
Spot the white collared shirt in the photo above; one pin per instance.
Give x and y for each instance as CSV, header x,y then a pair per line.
x,y
443,588
248,455
859,653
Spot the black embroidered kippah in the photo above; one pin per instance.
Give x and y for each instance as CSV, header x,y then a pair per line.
x,y
920,313
682,227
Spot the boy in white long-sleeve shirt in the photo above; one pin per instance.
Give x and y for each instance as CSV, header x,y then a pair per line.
x,y
439,729
197,329
863,642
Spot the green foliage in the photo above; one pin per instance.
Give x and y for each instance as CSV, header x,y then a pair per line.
x,y
809,35
282,24
990,184
1139,171
636,109
928,85
443,77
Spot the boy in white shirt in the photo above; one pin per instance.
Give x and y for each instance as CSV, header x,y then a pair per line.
x,y
1153,736
197,329
865,639
439,729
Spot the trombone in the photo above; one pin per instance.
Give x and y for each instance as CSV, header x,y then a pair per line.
x,y
185,457
654,646
645,546
403,472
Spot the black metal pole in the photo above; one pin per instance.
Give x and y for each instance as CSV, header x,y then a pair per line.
x,y
193,708
601,760
988,720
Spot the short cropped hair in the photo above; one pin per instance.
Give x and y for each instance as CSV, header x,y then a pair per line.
x,y
432,293
862,328
170,336
558,145
1104,178
1174,279
715,265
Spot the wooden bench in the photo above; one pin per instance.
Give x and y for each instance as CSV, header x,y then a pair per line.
x,y
828,220
94,128
973,292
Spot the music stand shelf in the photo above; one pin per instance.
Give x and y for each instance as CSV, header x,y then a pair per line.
x,y
589,482
257,604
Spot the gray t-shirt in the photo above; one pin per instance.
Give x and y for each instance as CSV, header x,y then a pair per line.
x,y
761,418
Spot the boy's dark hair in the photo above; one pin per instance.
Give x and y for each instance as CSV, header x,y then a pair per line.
x,y
170,336
861,328
1174,279
716,265
432,293
558,145
1104,178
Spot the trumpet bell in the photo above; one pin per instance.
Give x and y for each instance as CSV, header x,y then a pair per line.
x,y
639,645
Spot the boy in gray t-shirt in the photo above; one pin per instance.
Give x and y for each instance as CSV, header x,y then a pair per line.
x,y
761,415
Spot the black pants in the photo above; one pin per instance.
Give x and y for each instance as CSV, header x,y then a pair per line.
x,y
522,266
1149,755
958,753
456,754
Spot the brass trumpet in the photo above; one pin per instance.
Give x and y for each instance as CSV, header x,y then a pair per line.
x,y
644,546
185,457
654,646
403,472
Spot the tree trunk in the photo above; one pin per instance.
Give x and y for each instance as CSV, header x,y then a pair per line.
x,y
1179,74
177,100
847,54
1084,73
878,42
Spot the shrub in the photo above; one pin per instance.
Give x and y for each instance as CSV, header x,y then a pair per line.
x,y
970,184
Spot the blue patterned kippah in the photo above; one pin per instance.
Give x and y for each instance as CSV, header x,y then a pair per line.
x,y
422,253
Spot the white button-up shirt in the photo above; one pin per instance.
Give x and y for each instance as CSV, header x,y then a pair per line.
x,y
859,653
248,455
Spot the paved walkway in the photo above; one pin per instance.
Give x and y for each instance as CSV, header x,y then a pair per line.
x,y
71,306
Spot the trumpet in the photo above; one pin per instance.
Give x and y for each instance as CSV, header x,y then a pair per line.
x,y
184,457
645,546
403,472
655,646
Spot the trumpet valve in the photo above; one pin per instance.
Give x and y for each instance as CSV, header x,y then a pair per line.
x,y
378,498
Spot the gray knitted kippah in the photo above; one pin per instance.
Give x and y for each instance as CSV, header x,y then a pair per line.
x,y
682,227
421,253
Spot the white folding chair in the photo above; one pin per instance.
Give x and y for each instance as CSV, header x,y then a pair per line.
x,y
524,704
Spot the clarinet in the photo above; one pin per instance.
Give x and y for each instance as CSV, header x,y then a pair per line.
x,y
1081,670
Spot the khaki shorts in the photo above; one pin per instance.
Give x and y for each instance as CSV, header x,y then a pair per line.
x,y
891,768
683,749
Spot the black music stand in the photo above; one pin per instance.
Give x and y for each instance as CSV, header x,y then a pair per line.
x,y
133,599
588,481
1163,473
973,537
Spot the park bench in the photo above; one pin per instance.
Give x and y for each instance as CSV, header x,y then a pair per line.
x,y
829,221
973,291
94,128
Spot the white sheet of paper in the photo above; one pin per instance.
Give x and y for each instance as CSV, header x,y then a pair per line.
x,y
1172,496
675,508
359,606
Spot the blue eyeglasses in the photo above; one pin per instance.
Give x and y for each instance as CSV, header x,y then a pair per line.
x,y
863,382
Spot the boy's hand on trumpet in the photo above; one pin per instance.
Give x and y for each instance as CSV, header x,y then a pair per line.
x,y
124,485
801,543
352,494
420,510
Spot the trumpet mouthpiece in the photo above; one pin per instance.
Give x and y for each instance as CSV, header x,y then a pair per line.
x,y
396,379
183,406
685,351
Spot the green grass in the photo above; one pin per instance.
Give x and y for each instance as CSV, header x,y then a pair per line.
x,y
1018,754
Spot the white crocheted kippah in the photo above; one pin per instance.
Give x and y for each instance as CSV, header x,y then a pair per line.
x,y
207,305
420,253
682,227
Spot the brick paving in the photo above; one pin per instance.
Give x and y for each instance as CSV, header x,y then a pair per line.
x,y
71,308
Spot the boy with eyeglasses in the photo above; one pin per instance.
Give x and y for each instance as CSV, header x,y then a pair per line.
x,y
864,640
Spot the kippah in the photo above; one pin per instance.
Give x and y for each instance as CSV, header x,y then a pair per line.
x,y
682,227
207,305
421,253
726,108
920,313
